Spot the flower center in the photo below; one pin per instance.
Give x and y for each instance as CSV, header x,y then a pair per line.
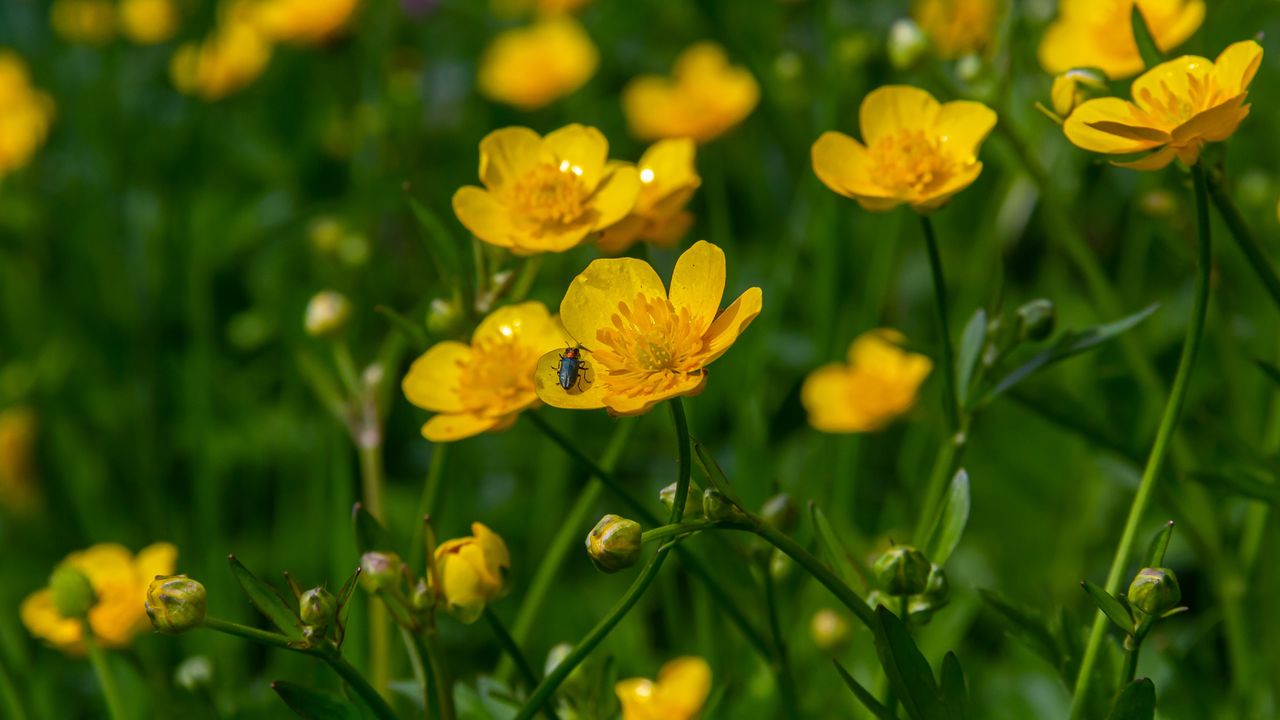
x,y
1168,108
911,162
499,378
551,193
650,346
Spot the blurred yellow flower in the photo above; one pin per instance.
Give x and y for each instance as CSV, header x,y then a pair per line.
x,y
482,387
546,7
120,581
705,97
679,694
956,27
18,492
1099,33
545,194
305,22
668,178
640,344
473,572
1177,107
918,151
1072,88
25,114
232,57
89,22
148,22
531,67
878,384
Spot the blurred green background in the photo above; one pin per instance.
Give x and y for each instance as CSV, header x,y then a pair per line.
x,y
155,262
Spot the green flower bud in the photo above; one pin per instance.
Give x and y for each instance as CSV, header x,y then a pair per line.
x,y
175,603
194,673
327,314
318,607
73,594
422,597
380,571
937,589
444,318
780,566
921,609
830,631
692,505
715,506
780,511
907,43
902,570
1155,591
614,543
1036,320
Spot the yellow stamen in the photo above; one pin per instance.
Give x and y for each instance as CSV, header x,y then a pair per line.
x,y
910,161
551,193
650,347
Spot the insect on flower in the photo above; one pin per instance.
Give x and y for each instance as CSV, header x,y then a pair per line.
x,y
571,370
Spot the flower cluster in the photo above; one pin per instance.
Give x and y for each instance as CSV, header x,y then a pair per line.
x,y
95,22
25,114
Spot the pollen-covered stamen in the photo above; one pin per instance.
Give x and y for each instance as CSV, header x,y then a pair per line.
x,y
499,377
551,193
1168,109
910,161
650,347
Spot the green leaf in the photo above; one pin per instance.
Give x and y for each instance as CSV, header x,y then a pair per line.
x,y
314,704
714,474
955,697
1159,544
1070,344
1147,47
413,331
833,550
1137,702
909,673
1110,606
441,244
864,696
370,535
1247,483
971,342
266,599
1027,626
951,520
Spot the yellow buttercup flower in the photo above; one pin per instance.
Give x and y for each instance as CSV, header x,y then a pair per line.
x,y
531,67
545,194
878,384
956,27
119,579
232,57
482,387
1099,33
305,22
917,151
704,98
473,572
640,343
148,22
25,114
89,22
679,694
668,178
1177,107
18,491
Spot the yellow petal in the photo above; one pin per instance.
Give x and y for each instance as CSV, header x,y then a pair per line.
x,y
728,325
637,697
497,557
592,298
1155,161
528,322
1172,77
448,427
483,215
1236,66
954,184
963,125
684,684
587,394
825,396
550,238
646,103
578,149
895,107
842,164
1080,127
697,284
433,379
682,385
44,621
1179,20
615,239
155,559
506,154
668,165
615,196
1214,124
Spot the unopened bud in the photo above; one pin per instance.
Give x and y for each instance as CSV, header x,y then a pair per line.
x,y
1072,88
614,543
1155,591
780,511
937,589
72,593
176,603
902,570
380,571
327,314
1036,320
194,673
692,504
830,630
444,318
318,607
715,506
422,596
907,43
780,565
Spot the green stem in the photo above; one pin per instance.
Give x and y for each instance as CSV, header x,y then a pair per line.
x,y
816,568
676,530
252,634
944,468
786,678
107,681
949,400
416,661
379,630
1131,650
357,683
524,283
1155,461
440,675
640,510
513,651
1244,238
347,368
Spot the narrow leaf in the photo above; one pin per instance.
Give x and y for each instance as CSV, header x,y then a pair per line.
x,y
412,331
370,535
714,474
864,696
832,549
909,673
951,520
441,244
314,704
1147,47
1159,544
265,599
971,341
1110,606
955,697
1027,626
1137,702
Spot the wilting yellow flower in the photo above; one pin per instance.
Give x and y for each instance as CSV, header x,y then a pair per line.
x,y
878,384
545,194
705,97
18,491
917,151
1099,33
668,178
956,27
1177,107
305,22
120,581
530,67
148,22
640,344
1072,88
232,57
473,572
25,114
679,694
91,22
482,387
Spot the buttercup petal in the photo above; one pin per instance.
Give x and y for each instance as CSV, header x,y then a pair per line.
x,y
888,109
962,125
825,396
842,164
697,284
1169,77
448,427
155,559
615,196
483,215
592,298
669,165
506,154
615,239
1155,161
646,101
1214,124
1236,66
685,684
683,385
580,150
433,379
44,621
1081,128
524,321
588,394
961,180
728,325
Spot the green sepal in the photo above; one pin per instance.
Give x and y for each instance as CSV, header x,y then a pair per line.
x,y
971,342
1111,606
1159,545
950,522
